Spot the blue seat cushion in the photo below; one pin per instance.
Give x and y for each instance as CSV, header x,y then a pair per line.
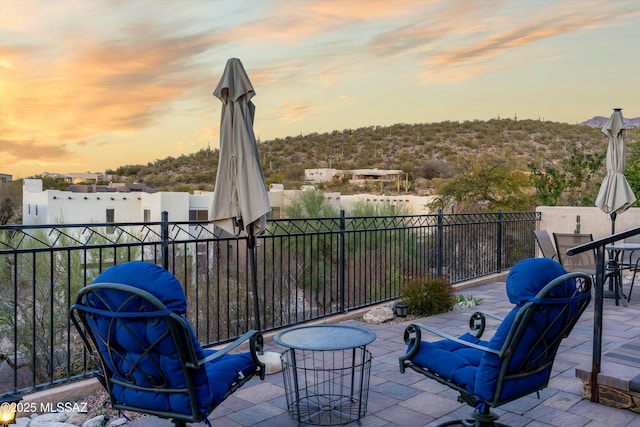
x,y
159,369
212,381
450,360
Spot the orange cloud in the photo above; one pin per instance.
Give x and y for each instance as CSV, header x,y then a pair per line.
x,y
100,88
481,56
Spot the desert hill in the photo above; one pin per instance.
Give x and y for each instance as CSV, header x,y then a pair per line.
x,y
424,151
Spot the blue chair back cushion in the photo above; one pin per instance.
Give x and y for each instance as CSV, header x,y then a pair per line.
x,y
476,370
160,369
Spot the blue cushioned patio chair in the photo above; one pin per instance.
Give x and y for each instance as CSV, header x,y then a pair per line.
x,y
519,357
132,319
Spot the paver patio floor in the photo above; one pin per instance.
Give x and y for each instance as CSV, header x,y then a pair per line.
x,y
410,400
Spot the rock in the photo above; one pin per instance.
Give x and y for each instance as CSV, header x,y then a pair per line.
x,y
50,424
45,420
21,422
379,315
94,422
77,418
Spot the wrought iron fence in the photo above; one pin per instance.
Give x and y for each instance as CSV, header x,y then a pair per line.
x,y
306,269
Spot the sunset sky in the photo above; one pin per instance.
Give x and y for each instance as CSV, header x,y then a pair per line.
x,y
87,85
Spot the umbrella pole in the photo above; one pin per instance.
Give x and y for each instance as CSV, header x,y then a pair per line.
x,y
613,216
251,244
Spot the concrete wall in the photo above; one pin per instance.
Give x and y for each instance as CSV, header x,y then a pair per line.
x,y
564,219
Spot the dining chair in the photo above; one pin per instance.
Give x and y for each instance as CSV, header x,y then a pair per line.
x,y
586,261
545,244
631,261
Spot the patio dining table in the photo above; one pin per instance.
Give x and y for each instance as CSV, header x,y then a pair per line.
x,y
616,263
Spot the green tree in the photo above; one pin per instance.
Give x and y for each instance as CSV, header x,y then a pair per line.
x,y
10,202
309,204
572,183
6,210
487,184
549,184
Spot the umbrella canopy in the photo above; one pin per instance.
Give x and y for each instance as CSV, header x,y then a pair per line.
x,y
615,195
240,200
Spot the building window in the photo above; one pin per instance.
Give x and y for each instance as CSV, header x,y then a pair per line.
x,y
147,215
111,216
198,215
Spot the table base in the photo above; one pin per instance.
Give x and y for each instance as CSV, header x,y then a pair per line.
x,y
326,388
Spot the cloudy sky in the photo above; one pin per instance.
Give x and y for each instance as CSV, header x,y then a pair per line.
x,y
90,85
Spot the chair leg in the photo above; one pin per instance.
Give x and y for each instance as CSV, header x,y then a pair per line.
x,y
477,419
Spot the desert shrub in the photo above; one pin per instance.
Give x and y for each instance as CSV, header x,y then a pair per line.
x,y
427,296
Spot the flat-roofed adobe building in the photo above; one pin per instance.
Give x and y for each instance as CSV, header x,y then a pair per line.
x,y
362,176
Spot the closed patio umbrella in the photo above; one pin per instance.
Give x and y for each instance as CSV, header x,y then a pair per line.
x,y
615,195
240,200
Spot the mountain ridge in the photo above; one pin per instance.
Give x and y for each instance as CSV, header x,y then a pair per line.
x,y
600,121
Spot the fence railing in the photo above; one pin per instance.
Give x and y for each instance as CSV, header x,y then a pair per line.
x,y
306,269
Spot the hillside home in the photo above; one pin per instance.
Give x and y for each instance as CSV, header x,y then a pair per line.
x,y
362,176
76,178
319,175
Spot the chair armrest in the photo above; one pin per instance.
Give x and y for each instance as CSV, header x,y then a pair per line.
x,y
477,321
255,347
451,338
413,338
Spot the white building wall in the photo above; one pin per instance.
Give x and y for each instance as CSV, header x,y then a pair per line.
x,y
201,200
34,202
176,204
56,207
564,219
